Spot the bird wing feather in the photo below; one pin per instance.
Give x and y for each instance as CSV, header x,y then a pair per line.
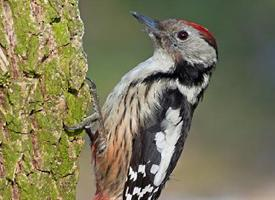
x,y
157,147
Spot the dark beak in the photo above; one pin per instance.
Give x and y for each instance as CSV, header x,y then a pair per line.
x,y
151,24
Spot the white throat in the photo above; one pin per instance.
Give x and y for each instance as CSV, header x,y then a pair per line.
x,y
159,62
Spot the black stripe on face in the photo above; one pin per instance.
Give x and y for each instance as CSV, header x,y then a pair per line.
x,y
191,75
187,74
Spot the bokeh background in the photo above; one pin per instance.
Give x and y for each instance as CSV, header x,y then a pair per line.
x,y
230,152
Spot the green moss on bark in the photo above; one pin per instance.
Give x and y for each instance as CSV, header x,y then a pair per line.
x,y
23,24
41,87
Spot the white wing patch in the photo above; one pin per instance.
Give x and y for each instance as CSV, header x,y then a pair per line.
x,y
154,169
166,142
160,141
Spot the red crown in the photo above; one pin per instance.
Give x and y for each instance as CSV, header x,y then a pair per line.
x,y
204,33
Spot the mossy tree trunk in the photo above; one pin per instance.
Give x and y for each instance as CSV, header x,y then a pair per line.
x,y
42,69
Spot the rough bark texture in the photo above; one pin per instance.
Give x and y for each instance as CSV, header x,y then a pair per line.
x,y
42,69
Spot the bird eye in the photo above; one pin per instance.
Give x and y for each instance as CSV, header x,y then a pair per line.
x,y
182,35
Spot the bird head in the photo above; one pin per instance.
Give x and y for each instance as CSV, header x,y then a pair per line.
x,y
182,40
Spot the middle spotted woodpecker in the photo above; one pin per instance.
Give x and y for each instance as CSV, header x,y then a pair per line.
x,y
145,120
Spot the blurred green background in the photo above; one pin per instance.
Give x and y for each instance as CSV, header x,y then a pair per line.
x,y
230,152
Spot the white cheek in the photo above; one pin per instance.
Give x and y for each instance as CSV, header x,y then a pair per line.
x,y
197,51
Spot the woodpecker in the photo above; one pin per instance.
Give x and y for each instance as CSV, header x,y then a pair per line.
x,y
142,127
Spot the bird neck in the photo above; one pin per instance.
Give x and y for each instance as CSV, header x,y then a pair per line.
x,y
161,61
191,74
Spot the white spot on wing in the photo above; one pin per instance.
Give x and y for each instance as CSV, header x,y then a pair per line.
x,y
136,191
154,169
166,147
141,169
132,174
147,189
139,192
127,195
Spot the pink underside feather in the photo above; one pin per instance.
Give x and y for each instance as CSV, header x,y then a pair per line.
x,y
100,196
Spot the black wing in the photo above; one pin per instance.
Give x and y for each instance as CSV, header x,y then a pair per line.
x,y
157,148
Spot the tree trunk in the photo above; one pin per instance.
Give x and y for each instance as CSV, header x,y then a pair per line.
x,y
42,69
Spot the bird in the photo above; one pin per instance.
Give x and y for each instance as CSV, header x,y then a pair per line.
x,y
137,137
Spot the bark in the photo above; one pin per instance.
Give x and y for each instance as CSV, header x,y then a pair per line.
x,y
42,69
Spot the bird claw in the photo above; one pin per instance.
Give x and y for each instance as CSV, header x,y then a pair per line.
x,y
89,124
94,122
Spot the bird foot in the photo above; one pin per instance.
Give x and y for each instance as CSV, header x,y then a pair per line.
x,y
94,122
